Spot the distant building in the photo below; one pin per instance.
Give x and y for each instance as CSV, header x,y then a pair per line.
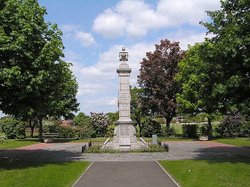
x,y
67,123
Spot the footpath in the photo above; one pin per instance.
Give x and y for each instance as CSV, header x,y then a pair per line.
x,y
125,174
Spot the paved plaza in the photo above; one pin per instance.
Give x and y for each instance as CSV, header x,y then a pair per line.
x,y
177,151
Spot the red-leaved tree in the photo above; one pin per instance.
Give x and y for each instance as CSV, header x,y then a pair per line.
x,y
157,78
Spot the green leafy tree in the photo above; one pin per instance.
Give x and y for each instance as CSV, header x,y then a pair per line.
x,y
82,119
136,108
197,79
157,80
214,76
113,117
34,81
231,53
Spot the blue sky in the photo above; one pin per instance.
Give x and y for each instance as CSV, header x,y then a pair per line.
x,y
94,32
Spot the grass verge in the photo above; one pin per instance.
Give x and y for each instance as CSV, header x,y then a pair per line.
x,y
234,141
209,173
40,174
11,144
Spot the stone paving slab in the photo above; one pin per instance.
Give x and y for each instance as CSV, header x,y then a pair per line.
x,y
125,174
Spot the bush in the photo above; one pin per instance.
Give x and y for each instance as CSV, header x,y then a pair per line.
x,y
151,127
99,122
79,132
110,131
50,126
234,124
98,149
155,148
84,132
13,128
67,132
2,137
189,131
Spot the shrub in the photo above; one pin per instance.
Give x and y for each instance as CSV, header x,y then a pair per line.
x,y
189,131
84,132
50,126
13,128
80,132
203,130
110,131
98,149
234,124
67,132
151,127
154,148
99,122
2,137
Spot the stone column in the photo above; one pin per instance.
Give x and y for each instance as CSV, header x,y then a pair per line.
x,y
125,133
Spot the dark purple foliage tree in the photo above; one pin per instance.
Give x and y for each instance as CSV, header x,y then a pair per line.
x,y
157,78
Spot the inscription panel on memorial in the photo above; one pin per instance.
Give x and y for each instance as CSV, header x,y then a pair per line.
x,y
124,141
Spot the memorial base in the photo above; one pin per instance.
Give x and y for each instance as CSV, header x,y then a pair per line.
x,y
125,137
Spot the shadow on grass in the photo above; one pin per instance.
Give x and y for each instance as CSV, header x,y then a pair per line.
x,y
221,154
20,159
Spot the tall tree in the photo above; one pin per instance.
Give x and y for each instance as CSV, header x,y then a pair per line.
x,y
34,81
197,79
215,74
157,78
231,52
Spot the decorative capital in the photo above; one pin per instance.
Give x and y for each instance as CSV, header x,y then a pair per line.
x,y
123,55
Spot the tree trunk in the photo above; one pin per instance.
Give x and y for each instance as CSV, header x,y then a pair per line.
x,y
209,127
31,128
32,131
40,129
168,120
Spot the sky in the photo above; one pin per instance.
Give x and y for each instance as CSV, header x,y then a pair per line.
x,y
94,32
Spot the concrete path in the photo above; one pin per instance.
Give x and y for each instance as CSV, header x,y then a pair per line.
x,y
125,174
177,151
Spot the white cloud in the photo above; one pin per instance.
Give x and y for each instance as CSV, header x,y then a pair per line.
x,y
187,37
86,38
110,24
134,18
73,31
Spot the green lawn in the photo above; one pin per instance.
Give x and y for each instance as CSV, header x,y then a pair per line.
x,y
234,141
40,174
11,144
209,173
